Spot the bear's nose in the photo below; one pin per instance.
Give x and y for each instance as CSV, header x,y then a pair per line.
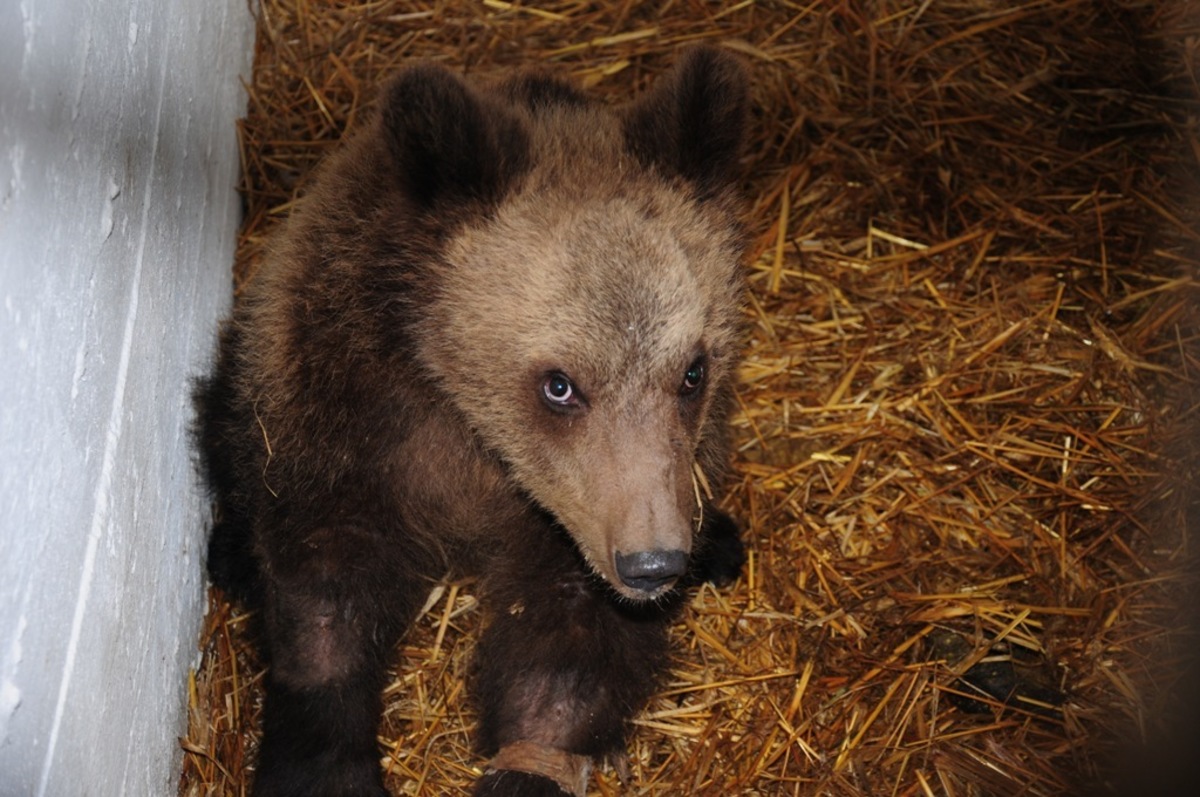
x,y
647,571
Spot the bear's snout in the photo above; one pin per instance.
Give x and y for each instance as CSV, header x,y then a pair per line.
x,y
649,571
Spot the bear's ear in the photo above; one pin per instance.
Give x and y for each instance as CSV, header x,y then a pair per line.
x,y
692,123
447,143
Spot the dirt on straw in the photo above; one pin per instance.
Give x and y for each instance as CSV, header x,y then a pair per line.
x,y
967,443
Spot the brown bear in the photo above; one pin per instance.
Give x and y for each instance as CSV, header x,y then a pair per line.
x,y
496,338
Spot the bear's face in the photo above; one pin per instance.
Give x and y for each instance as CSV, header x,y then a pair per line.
x,y
584,320
586,337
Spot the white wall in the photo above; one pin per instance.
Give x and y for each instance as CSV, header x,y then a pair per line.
x,y
117,218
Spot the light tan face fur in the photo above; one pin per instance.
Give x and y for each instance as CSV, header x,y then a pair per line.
x,y
598,271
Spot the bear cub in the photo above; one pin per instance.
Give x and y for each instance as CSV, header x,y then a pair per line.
x,y
497,339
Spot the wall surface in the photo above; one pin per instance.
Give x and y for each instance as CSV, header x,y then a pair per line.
x,y
118,163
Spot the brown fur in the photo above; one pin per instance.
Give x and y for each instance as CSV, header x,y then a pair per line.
x,y
377,415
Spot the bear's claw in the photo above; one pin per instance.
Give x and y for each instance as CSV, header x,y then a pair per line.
x,y
569,771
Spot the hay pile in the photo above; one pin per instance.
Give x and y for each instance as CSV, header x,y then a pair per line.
x,y
968,431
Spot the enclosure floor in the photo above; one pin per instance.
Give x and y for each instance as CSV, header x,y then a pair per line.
x,y
966,443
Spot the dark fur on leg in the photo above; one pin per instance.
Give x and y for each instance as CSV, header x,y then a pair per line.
x,y
720,555
231,564
335,605
564,662
320,742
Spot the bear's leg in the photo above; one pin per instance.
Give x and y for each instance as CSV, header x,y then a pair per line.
x,y
562,667
334,608
231,563
720,554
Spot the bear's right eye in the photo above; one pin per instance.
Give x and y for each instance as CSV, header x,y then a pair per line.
x,y
559,391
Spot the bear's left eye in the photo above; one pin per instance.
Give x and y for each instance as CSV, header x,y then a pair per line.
x,y
693,378
559,391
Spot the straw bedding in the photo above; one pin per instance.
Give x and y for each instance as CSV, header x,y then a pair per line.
x,y
967,439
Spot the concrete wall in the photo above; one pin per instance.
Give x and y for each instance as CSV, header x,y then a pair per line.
x,y
118,163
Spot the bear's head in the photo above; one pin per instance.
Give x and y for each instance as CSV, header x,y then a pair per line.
x,y
585,310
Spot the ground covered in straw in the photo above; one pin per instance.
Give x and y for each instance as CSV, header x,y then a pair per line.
x,y
967,444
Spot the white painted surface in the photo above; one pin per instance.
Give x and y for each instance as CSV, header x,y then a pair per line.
x,y
118,163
